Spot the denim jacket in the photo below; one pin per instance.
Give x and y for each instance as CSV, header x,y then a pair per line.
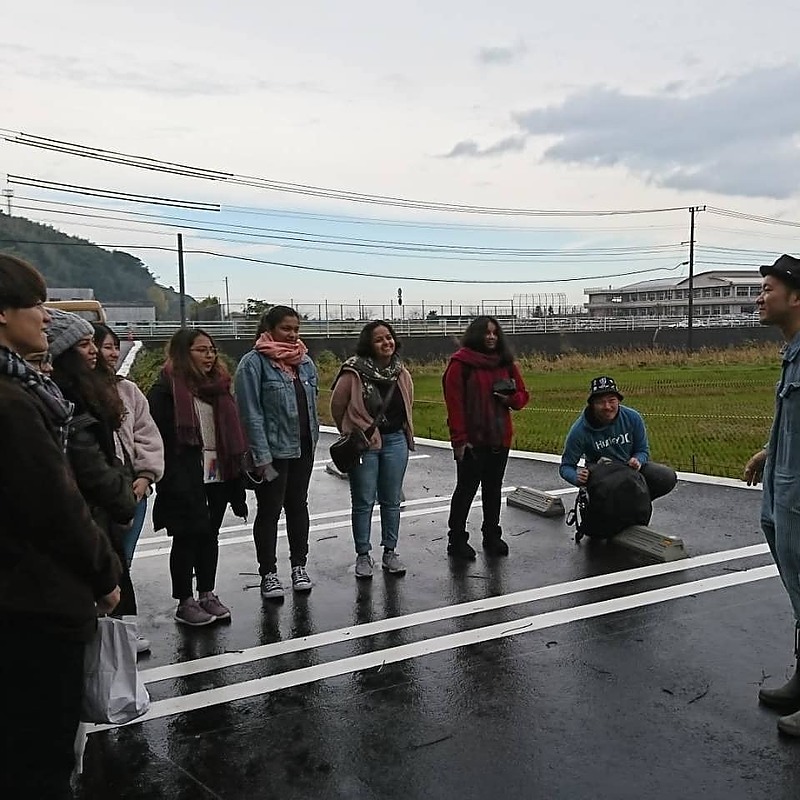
x,y
782,469
268,407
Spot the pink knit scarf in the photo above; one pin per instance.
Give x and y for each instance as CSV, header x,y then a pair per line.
x,y
285,356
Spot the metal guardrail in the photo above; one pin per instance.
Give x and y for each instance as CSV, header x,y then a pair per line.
x,y
246,329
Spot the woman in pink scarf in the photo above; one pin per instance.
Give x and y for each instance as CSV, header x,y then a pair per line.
x,y
276,392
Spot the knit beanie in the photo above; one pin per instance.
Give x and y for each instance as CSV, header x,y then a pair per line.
x,y
65,330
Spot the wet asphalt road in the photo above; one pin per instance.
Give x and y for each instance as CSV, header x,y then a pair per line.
x,y
641,684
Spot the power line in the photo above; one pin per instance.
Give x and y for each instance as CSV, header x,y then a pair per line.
x,y
176,168
356,273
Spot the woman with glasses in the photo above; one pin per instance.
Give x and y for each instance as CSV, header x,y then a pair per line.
x,y
276,391
204,445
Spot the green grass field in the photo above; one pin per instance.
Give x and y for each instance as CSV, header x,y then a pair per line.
x,y
708,412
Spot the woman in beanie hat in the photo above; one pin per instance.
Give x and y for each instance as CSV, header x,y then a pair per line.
x,y
104,481
204,447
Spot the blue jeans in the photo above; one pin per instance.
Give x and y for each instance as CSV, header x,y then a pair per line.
x,y
131,536
379,477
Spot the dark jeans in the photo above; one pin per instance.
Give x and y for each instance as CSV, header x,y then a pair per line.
x,y
287,492
484,467
42,678
198,552
660,479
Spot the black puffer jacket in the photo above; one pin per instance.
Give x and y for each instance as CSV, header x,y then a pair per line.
x,y
105,482
181,505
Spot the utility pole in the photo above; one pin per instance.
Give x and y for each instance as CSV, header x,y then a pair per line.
x,y
690,329
181,281
8,193
227,299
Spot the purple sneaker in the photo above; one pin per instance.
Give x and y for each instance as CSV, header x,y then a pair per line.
x,y
211,605
190,612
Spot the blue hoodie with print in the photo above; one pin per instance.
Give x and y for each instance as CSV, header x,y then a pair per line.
x,y
622,439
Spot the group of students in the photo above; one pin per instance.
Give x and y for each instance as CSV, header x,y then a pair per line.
x,y
83,448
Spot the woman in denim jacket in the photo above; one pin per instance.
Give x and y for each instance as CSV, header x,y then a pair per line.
x,y
276,391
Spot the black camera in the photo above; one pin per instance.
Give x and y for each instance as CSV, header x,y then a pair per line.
x,y
505,386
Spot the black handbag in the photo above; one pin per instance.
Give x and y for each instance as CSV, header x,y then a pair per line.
x,y
347,450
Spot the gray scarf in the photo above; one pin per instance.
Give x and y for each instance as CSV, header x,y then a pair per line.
x,y
371,376
59,409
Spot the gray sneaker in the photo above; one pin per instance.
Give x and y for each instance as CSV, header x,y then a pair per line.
x,y
271,587
300,580
392,563
363,565
190,612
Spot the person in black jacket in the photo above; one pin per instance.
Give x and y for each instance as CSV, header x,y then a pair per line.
x,y
104,481
57,568
204,448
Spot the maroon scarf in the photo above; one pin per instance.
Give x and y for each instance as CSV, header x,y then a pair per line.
x,y
486,419
230,445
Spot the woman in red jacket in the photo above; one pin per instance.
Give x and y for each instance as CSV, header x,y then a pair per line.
x,y
481,384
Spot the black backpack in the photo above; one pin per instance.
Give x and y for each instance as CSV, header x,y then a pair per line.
x,y
615,498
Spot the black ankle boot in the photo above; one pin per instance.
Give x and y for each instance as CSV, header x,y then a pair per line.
x,y
495,547
787,697
458,547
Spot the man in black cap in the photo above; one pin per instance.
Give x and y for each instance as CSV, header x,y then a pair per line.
x,y
779,465
609,430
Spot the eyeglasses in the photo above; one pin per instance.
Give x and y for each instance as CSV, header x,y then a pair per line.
x,y
40,359
204,350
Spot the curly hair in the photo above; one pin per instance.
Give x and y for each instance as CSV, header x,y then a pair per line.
x,y
474,338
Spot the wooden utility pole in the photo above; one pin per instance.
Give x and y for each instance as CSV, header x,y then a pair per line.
x,y
690,329
181,281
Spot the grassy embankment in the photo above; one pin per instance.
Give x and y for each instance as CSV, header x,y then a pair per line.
x,y
705,413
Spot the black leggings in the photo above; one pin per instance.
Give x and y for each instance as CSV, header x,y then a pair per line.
x,y
287,492
198,552
484,467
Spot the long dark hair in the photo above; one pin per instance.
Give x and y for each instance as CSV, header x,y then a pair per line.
x,y
102,331
364,347
270,319
473,338
89,389
180,360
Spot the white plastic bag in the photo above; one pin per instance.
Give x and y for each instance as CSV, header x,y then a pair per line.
x,y
113,692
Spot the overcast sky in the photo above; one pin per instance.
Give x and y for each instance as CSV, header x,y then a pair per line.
x,y
573,105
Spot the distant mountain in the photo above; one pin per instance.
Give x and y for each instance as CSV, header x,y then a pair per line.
x,y
70,261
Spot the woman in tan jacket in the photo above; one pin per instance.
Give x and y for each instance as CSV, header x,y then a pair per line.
x,y
360,390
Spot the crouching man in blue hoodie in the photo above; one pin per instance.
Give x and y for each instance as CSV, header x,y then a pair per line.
x,y
609,430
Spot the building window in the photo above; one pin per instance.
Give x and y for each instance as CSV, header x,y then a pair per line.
x,y
717,292
742,291
755,291
726,292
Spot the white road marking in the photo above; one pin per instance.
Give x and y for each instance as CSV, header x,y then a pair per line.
x,y
320,465
182,669
438,644
229,540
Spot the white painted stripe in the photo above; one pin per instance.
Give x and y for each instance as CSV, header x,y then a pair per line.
x,y
323,464
391,655
440,614
331,526
343,512
552,458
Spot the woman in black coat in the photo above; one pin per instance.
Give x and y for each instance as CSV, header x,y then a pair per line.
x,y
104,481
204,447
